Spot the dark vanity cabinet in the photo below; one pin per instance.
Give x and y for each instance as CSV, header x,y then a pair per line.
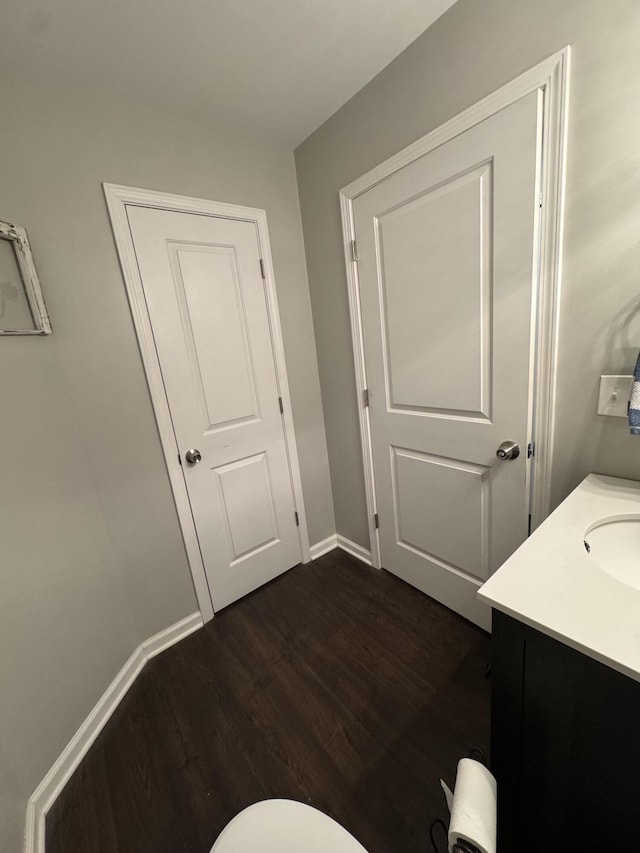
x,y
565,746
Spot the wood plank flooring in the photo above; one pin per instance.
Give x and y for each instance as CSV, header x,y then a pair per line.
x,y
336,684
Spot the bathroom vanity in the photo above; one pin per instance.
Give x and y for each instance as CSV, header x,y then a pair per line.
x,y
565,739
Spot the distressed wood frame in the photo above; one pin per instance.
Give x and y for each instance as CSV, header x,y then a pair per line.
x,y
17,236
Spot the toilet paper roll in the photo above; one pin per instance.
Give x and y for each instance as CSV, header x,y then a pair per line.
x,y
474,807
448,794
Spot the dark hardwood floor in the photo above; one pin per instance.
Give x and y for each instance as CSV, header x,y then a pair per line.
x,y
336,684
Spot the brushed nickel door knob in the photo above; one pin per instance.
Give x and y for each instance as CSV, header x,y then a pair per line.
x,y
193,456
508,450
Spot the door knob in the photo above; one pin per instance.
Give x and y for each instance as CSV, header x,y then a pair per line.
x,y
508,450
192,456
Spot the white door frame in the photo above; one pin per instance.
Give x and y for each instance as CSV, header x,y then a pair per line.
x,y
551,79
118,198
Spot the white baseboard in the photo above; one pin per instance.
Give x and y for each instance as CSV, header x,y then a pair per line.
x,y
49,789
171,635
354,549
338,541
321,548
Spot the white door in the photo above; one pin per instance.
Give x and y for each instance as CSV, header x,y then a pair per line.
x,y
207,306
446,265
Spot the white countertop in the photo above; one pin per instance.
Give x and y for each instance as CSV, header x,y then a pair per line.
x,y
551,584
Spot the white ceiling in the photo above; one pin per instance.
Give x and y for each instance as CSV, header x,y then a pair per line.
x,y
280,67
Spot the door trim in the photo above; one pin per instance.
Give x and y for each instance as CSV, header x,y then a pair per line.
x,y
551,79
118,197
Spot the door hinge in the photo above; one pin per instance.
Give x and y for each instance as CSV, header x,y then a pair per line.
x,y
281,406
376,520
540,200
531,449
297,519
365,397
262,269
354,251
529,533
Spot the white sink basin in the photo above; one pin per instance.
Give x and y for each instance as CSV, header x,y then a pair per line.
x,y
613,544
589,600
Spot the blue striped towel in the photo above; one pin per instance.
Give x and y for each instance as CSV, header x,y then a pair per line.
x,y
634,402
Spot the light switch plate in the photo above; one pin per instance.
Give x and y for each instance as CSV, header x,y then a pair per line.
x,y
614,395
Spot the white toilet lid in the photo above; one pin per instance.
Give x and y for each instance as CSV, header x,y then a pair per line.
x,y
284,826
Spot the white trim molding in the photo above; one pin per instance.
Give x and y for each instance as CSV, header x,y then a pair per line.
x,y
338,541
354,549
118,198
323,547
551,79
49,789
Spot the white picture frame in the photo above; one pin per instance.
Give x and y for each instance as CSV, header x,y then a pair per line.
x,y
16,235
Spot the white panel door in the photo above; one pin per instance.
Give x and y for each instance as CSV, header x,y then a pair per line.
x,y
206,301
446,265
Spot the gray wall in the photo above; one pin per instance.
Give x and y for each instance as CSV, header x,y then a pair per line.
x,y
92,556
468,53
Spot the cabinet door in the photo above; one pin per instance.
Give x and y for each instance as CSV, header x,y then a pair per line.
x,y
507,666
566,759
